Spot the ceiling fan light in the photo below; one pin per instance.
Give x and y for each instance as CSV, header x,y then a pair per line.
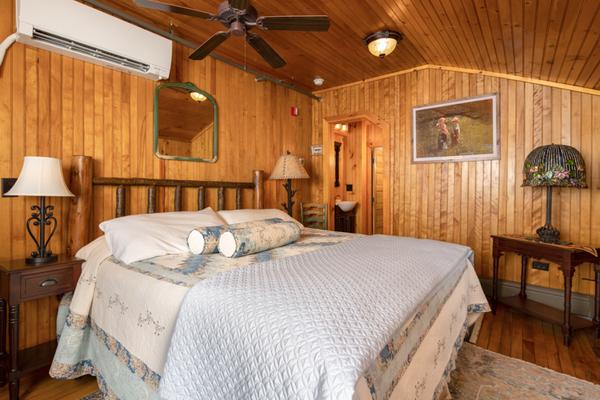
x,y
383,43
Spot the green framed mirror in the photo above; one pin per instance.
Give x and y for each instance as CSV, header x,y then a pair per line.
x,y
186,123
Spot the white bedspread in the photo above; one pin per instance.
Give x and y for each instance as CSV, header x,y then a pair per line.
x,y
306,326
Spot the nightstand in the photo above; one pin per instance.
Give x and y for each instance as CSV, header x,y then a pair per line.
x,y
19,283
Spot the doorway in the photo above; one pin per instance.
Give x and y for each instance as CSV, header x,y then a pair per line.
x,y
350,144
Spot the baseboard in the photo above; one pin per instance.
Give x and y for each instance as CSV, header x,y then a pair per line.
x,y
581,304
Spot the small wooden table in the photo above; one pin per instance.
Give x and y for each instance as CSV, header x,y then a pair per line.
x,y
568,258
19,283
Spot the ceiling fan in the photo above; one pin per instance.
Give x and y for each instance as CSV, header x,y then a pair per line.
x,y
239,17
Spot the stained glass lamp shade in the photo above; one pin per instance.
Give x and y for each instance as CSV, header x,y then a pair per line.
x,y
554,165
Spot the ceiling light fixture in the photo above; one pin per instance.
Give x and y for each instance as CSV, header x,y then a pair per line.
x,y
382,43
318,81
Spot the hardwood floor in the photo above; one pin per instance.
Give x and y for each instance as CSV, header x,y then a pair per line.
x,y
40,386
508,332
516,335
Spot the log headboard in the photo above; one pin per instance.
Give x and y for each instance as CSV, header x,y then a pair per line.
x,y
83,182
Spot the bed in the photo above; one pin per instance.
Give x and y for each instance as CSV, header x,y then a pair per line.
x,y
329,316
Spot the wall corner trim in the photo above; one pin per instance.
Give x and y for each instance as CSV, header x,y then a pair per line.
x,y
580,89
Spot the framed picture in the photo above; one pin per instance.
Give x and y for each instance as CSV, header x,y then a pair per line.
x,y
457,130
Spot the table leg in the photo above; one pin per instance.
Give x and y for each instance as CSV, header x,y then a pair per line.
x,y
13,333
2,342
523,293
566,328
597,302
495,283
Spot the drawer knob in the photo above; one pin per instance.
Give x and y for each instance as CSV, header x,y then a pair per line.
x,y
49,282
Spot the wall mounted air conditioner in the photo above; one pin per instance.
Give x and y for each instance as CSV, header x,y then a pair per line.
x,y
76,30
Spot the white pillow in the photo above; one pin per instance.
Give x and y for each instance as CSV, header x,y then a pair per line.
x,y
248,215
94,248
139,237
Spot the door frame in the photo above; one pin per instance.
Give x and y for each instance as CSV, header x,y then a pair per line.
x,y
329,162
372,186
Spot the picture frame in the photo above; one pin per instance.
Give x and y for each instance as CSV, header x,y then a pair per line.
x,y
457,130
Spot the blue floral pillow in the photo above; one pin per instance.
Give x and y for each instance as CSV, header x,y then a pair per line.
x,y
256,236
205,240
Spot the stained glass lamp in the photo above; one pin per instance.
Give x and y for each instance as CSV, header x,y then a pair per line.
x,y
550,166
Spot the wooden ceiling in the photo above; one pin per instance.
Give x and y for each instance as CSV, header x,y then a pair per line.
x,y
180,117
553,40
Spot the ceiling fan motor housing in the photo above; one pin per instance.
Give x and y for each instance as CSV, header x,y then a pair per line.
x,y
229,16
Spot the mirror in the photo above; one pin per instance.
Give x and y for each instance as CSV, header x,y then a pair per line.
x,y
186,123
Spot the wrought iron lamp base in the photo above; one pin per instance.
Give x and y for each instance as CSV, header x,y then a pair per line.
x,y
41,260
41,217
548,233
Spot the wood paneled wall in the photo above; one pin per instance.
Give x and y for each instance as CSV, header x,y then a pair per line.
x,y
56,106
467,202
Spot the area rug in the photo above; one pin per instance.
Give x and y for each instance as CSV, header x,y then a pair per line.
x,y
94,396
483,375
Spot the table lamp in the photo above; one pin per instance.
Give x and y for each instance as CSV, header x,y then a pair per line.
x,y
554,165
289,167
41,177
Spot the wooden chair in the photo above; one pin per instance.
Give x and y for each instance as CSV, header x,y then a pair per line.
x,y
314,215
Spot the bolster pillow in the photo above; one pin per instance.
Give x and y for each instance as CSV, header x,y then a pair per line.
x,y
253,237
205,240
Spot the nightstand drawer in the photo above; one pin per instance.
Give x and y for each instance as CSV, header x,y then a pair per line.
x,y
46,283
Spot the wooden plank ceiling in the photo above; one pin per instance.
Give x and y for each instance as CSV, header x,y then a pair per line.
x,y
554,40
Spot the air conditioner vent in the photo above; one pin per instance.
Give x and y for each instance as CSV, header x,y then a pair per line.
x,y
89,51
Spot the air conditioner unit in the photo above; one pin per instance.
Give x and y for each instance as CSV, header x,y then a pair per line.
x,y
73,29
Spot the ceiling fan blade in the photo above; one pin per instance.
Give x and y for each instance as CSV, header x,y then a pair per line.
x,y
239,4
207,47
315,23
174,9
265,50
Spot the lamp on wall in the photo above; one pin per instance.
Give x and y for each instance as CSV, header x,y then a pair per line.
x,y
289,167
551,166
41,177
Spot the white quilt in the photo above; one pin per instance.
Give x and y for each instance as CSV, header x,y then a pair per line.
x,y
305,326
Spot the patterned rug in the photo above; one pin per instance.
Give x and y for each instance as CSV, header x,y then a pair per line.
x,y
483,375
94,396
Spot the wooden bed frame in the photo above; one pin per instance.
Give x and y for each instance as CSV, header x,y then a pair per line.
x,y
83,182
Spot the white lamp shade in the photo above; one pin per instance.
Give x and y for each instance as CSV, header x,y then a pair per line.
x,y
40,176
289,167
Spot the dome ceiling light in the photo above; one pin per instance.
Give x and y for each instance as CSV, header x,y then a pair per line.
x,y
382,43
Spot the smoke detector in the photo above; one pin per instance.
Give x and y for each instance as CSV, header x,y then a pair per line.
x,y
318,81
